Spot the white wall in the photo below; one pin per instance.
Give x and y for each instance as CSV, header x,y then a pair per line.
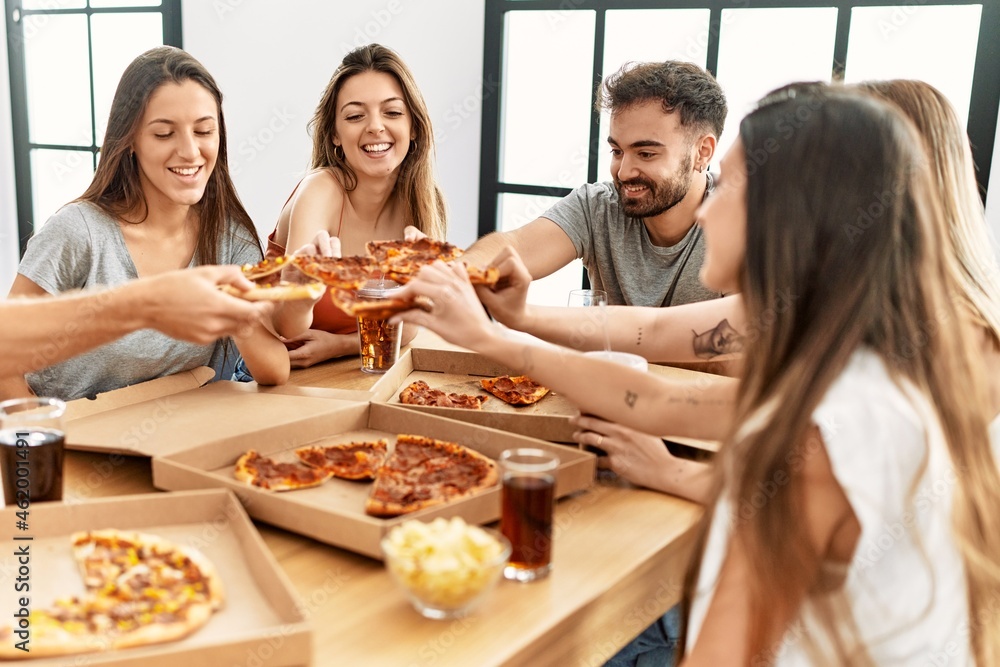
x,y
272,69
8,196
273,60
993,196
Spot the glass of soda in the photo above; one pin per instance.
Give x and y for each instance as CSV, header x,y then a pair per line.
x,y
529,482
378,339
31,450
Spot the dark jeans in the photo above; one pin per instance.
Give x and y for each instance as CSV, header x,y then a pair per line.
x,y
654,647
240,373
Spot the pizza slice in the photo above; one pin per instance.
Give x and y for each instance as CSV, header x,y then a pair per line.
x,y
423,472
345,273
141,589
422,251
420,393
281,291
266,473
380,309
517,390
354,460
489,276
265,268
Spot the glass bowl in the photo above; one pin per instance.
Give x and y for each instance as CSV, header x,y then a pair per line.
x,y
446,568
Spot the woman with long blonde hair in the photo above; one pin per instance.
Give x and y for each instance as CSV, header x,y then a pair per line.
x,y
853,519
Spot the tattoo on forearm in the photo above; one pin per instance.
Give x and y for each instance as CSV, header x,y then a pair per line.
x,y
638,340
630,398
723,339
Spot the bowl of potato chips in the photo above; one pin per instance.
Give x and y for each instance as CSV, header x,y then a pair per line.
x,y
446,567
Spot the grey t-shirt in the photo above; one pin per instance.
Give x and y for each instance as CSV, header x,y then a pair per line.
x,y
619,256
82,247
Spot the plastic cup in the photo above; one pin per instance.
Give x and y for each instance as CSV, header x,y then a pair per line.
x,y
379,341
31,450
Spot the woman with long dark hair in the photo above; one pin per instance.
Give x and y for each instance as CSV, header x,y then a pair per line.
x,y
852,518
161,199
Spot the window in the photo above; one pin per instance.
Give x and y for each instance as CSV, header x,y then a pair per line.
x,y
66,57
542,137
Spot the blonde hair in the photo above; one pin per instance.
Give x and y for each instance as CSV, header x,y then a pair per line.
x,y
423,203
954,170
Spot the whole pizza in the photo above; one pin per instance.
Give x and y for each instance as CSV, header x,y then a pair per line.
x,y
140,589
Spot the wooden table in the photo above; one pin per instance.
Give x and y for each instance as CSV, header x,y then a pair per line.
x,y
618,562
619,559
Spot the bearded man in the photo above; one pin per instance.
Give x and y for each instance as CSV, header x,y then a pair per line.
x,y
636,234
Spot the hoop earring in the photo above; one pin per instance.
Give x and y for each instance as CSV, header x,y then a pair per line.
x,y
338,152
413,147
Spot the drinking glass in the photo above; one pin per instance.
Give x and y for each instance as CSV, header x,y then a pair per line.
x,y
587,297
31,450
379,341
529,483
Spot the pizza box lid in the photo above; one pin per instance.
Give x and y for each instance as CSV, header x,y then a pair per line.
x,y
260,610
334,512
164,423
137,393
461,370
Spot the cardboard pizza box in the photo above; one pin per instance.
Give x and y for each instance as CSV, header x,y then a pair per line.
x,y
169,421
137,393
334,512
260,610
460,371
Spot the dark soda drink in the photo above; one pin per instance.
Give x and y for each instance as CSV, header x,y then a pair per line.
x,y
32,465
527,521
379,344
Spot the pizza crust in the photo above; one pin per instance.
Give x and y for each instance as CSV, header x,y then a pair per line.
x,y
279,292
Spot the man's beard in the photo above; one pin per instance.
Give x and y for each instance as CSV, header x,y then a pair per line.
x,y
662,197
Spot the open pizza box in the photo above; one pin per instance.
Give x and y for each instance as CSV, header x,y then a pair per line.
x,y
334,512
260,613
460,371
143,420
137,393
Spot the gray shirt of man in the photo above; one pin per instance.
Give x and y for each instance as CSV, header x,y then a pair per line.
x,y
620,257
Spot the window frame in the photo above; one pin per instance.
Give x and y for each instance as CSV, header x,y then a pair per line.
x,y
15,17
983,108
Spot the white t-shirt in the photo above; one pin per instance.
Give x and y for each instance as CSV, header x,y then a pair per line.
x,y
905,586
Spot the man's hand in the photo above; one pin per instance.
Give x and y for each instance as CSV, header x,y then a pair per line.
x,y
187,304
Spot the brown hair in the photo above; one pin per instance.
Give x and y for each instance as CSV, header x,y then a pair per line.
x,y
884,286
679,86
951,160
116,186
416,188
